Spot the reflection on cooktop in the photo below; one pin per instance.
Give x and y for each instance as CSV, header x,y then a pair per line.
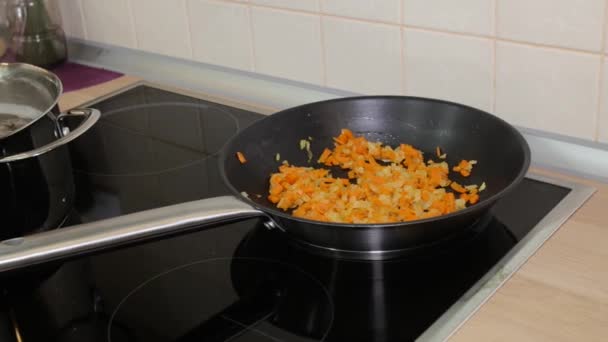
x,y
152,138
152,148
148,131
265,290
393,300
266,307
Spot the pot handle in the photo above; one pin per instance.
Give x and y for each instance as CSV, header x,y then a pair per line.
x,y
137,227
90,116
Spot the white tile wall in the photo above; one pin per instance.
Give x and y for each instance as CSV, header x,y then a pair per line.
x,y
304,5
71,14
485,53
362,57
606,38
603,118
378,10
287,44
574,24
221,33
547,89
471,16
109,22
162,27
448,67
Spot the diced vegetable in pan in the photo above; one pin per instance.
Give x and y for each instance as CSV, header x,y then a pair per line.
x,y
384,184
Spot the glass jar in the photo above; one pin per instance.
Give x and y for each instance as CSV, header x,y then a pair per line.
x,y
4,32
36,33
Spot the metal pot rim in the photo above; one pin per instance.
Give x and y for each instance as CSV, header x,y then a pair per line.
x,y
90,116
8,68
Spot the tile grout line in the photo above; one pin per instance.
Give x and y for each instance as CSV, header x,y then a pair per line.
x,y
402,47
83,21
252,63
511,41
132,22
323,49
600,84
494,48
430,29
600,76
320,11
189,31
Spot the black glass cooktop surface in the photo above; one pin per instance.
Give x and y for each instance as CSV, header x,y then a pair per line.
x,y
240,281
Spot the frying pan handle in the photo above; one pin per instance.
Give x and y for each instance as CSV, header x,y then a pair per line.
x,y
142,226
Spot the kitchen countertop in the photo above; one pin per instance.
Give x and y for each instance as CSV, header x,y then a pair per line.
x,y
559,294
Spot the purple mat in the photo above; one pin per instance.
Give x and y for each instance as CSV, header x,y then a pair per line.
x,y
77,76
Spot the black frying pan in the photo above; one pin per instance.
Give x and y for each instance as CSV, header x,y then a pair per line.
x,y
462,132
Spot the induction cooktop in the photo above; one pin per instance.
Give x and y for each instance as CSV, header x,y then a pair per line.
x,y
242,281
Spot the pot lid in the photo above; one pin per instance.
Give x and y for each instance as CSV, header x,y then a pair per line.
x,y
27,93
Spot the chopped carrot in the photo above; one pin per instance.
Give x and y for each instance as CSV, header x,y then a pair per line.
x,y
326,153
464,168
406,189
458,188
241,157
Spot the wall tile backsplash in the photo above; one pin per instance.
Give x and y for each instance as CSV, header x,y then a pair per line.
x,y
172,16
603,119
109,21
467,16
72,18
362,57
536,63
304,5
548,89
221,33
576,24
455,68
292,52
375,10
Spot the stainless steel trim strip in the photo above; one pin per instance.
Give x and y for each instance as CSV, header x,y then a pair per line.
x,y
213,80
574,156
85,238
483,289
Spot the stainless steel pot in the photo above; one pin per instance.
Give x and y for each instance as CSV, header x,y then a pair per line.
x,y
36,184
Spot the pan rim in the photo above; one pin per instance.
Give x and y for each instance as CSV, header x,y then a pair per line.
x,y
402,224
